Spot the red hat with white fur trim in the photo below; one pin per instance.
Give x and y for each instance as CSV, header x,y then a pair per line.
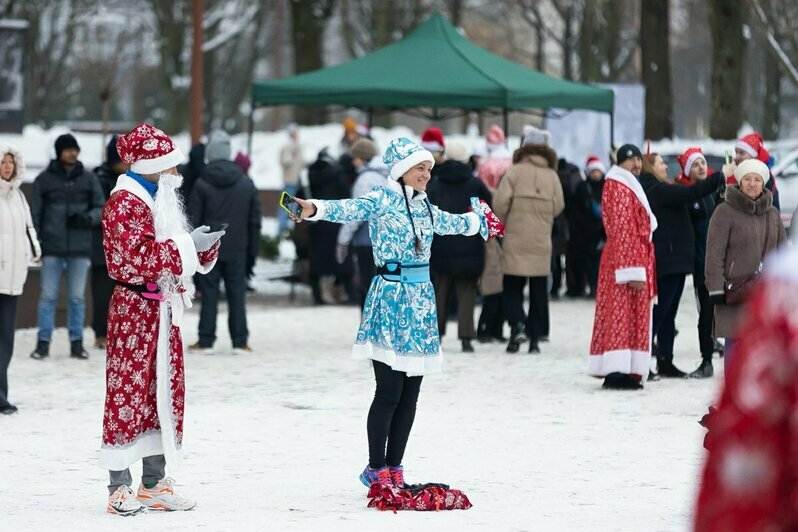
x,y
594,163
432,139
687,159
754,146
148,150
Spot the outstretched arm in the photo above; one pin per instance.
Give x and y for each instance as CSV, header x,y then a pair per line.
x,y
343,211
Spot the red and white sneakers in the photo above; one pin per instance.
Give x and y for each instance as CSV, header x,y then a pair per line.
x,y
162,497
124,502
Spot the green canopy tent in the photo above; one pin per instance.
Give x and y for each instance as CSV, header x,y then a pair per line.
x,y
433,67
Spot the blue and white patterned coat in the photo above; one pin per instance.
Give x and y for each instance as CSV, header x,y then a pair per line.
x,y
399,325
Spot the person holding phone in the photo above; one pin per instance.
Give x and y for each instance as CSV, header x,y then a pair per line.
x,y
398,331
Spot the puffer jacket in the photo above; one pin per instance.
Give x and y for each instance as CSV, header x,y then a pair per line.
x,y
529,197
734,247
57,195
18,241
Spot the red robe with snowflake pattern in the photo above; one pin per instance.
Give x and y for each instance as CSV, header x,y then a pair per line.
x,y
750,480
622,325
145,381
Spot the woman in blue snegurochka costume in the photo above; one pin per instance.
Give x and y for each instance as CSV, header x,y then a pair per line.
x,y
399,329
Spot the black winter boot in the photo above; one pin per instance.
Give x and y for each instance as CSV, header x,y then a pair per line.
x,y
533,346
517,337
77,351
466,344
705,370
667,370
621,381
42,350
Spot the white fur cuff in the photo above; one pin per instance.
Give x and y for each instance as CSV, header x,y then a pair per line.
x,y
321,210
627,275
188,253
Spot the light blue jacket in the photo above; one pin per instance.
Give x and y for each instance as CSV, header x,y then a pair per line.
x,y
399,324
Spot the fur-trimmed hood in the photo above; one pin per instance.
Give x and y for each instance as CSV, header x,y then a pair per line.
x,y
527,151
19,173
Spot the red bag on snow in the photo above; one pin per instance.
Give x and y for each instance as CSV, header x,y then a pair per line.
x,y
425,498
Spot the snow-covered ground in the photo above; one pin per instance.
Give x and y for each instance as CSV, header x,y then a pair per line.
x,y
275,439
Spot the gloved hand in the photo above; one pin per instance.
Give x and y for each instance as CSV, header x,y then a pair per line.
x,y
495,227
80,220
204,239
341,253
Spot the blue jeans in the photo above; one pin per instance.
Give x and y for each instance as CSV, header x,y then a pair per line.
x,y
77,269
282,216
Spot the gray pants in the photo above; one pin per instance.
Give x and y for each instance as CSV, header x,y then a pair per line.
x,y
153,470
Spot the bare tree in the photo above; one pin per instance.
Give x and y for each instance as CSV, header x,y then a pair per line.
x,y
656,69
308,22
728,53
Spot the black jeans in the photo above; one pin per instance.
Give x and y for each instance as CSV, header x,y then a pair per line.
x,y
491,319
102,288
366,270
669,293
706,312
537,320
391,415
8,319
235,284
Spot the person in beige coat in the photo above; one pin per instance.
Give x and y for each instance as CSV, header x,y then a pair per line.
x,y
18,246
528,199
735,241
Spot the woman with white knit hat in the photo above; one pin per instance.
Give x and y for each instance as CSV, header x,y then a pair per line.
x,y
742,231
398,332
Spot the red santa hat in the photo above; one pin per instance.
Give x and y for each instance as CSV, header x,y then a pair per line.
x,y
148,150
432,139
754,146
687,159
594,163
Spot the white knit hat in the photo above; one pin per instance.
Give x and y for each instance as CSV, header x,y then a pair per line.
x,y
752,166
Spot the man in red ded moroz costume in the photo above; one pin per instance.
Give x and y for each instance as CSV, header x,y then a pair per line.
x,y
620,350
151,253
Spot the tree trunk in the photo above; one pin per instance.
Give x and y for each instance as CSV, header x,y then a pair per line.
x,y
770,118
728,54
656,67
589,68
308,20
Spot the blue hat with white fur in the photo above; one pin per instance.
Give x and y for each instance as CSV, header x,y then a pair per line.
x,y
403,154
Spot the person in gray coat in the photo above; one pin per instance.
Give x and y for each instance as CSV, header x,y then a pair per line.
x,y
66,204
223,194
742,231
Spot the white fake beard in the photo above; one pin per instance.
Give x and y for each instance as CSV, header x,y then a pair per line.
x,y
170,220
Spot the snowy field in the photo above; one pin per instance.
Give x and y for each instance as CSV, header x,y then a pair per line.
x,y
274,440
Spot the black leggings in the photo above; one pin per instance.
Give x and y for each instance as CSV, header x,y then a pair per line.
x,y
391,415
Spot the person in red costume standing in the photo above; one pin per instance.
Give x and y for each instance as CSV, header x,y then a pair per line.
x,y
151,253
749,482
620,350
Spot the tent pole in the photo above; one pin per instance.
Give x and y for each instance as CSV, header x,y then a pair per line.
x,y
370,117
251,127
506,122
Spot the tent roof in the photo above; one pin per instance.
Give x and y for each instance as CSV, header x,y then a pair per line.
x,y
434,66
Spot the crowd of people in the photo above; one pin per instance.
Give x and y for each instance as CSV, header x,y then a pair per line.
x,y
391,232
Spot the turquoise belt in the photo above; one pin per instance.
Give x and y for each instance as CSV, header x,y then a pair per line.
x,y
404,272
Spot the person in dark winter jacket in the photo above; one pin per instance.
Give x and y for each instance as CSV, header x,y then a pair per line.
x,y
66,205
102,286
570,177
586,229
674,249
327,181
225,195
694,170
192,169
457,261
